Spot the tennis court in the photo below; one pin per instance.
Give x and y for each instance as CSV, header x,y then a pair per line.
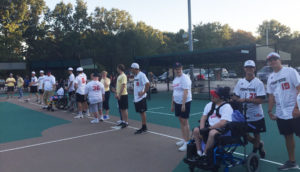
x,y
33,139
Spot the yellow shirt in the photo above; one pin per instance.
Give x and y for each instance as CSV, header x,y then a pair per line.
x,y
10,82
20,82
106,82
122,79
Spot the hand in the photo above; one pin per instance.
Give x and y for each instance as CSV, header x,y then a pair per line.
x,y
183,108
272,116
141,94
296,113
172,108
117,97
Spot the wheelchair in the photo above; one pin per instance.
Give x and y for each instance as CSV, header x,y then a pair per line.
x,y
60,102
223,153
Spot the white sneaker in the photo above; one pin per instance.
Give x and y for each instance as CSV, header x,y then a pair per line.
x,y
95,121
199,152
78,116
119,122
180,143
101,118
106,117
183,147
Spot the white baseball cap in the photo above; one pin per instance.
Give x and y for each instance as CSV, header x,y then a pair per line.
x,y
249,63
273,54
33,72
41,71
70,69
79,69
135,66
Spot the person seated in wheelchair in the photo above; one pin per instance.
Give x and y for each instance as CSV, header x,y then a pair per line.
x,y
216,115
56,98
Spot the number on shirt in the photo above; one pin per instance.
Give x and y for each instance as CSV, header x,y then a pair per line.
x,y
285,86
252,95
96,88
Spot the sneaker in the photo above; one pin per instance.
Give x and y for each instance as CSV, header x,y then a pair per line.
x,y
183,147
78,116
95,121
87,114
45,107
124,125
180,143
199,152
119,122
106,117
288,165
101,118
140,131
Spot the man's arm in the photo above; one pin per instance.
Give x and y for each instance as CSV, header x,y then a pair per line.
x,y
270,107
296,111
202,121
220,124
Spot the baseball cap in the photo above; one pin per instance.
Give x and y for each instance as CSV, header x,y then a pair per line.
x,y
79,69
33,72
135,66
41,71
70,69
177,65
221,92
273,55
249,63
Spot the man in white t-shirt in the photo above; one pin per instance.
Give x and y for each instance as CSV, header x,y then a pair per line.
x,y
48,87
96,94
251,92
80,83
140,88
283,88
33,86
40,82
213,123
71,89
181,103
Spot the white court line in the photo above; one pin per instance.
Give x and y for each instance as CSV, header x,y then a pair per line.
x,y
160,134
198,113
162,113
55,141
156,108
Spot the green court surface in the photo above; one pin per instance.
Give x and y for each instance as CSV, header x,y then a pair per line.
x,y
159,113
17,123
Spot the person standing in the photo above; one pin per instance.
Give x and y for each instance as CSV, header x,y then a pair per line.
x,y
10,81
181,103
20,84
140,87
40,82
48,87
283,87
96,94
122,95
80,83
251,92
106,82
33,86
71,89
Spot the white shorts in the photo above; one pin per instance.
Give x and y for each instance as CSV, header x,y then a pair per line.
x,y
95,107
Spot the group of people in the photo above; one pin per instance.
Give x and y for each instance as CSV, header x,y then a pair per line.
x,y
283,88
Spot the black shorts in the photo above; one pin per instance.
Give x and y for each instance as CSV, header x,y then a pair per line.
x,y
106,100
123,102
71,93
257,126
11,89
289,126
141,106
186,113
33,89
80,98
41,91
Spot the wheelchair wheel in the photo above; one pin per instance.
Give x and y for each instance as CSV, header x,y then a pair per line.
x,y
252,163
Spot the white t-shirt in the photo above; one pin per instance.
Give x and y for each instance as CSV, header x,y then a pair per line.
x,y
49,81
283,86
34,81
80,80
95,91
140,80
71,79
225,111
179,85
40,82
250,90
60,91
